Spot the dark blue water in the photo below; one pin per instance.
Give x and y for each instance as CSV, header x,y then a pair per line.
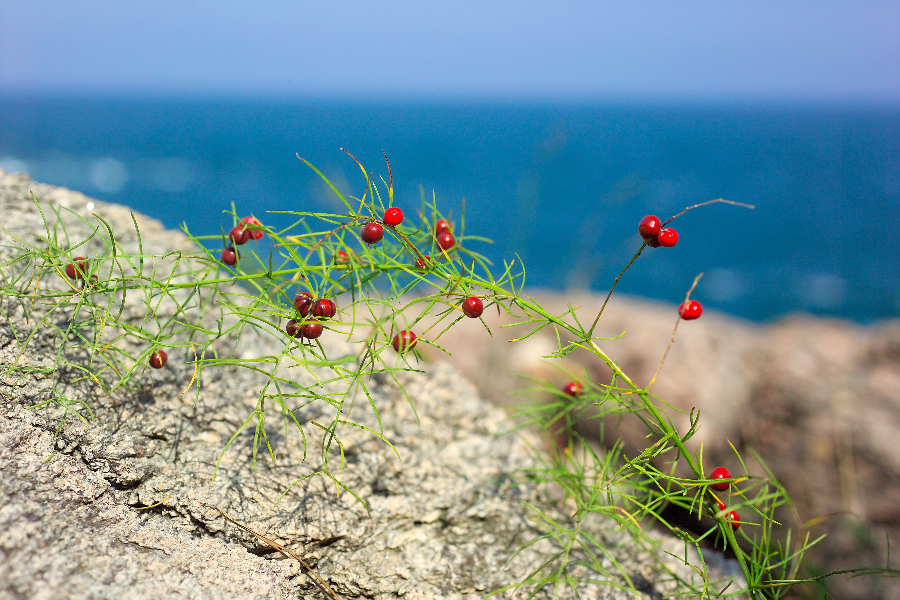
x,y
562,185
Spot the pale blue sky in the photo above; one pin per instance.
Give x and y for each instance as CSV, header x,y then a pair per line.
x,y
633,49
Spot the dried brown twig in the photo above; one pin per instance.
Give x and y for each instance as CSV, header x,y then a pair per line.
x,y
320,583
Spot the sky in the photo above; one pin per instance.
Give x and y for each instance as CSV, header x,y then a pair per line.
x,y
634,49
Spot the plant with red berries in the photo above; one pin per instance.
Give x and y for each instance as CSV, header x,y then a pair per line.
x,y
379,314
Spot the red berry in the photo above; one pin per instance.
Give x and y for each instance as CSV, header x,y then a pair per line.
x,y
292,329
158,359
312,330
573,388
303,302
720,473
473,307
78,269
720,506
239,236
372,233
667,237
445,240
393,216
341,258
653,242
734,519
403,341
255,228
324,308
94,280
423,263
649,227
230,256
441,226
690,310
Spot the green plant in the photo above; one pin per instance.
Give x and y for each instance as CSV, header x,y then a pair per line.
x,y
193,305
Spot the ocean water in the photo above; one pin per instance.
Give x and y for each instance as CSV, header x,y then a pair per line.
x,y
561,185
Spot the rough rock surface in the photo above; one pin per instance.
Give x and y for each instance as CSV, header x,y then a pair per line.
x,y
122,506
819,399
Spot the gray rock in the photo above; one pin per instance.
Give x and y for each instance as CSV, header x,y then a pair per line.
x,y
122,505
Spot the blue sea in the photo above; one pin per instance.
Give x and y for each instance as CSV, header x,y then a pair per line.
x,y
561,185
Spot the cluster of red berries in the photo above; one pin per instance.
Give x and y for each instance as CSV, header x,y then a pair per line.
x,y
372,232
321,309
720,473
651,230
443,234
445,240
248,229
